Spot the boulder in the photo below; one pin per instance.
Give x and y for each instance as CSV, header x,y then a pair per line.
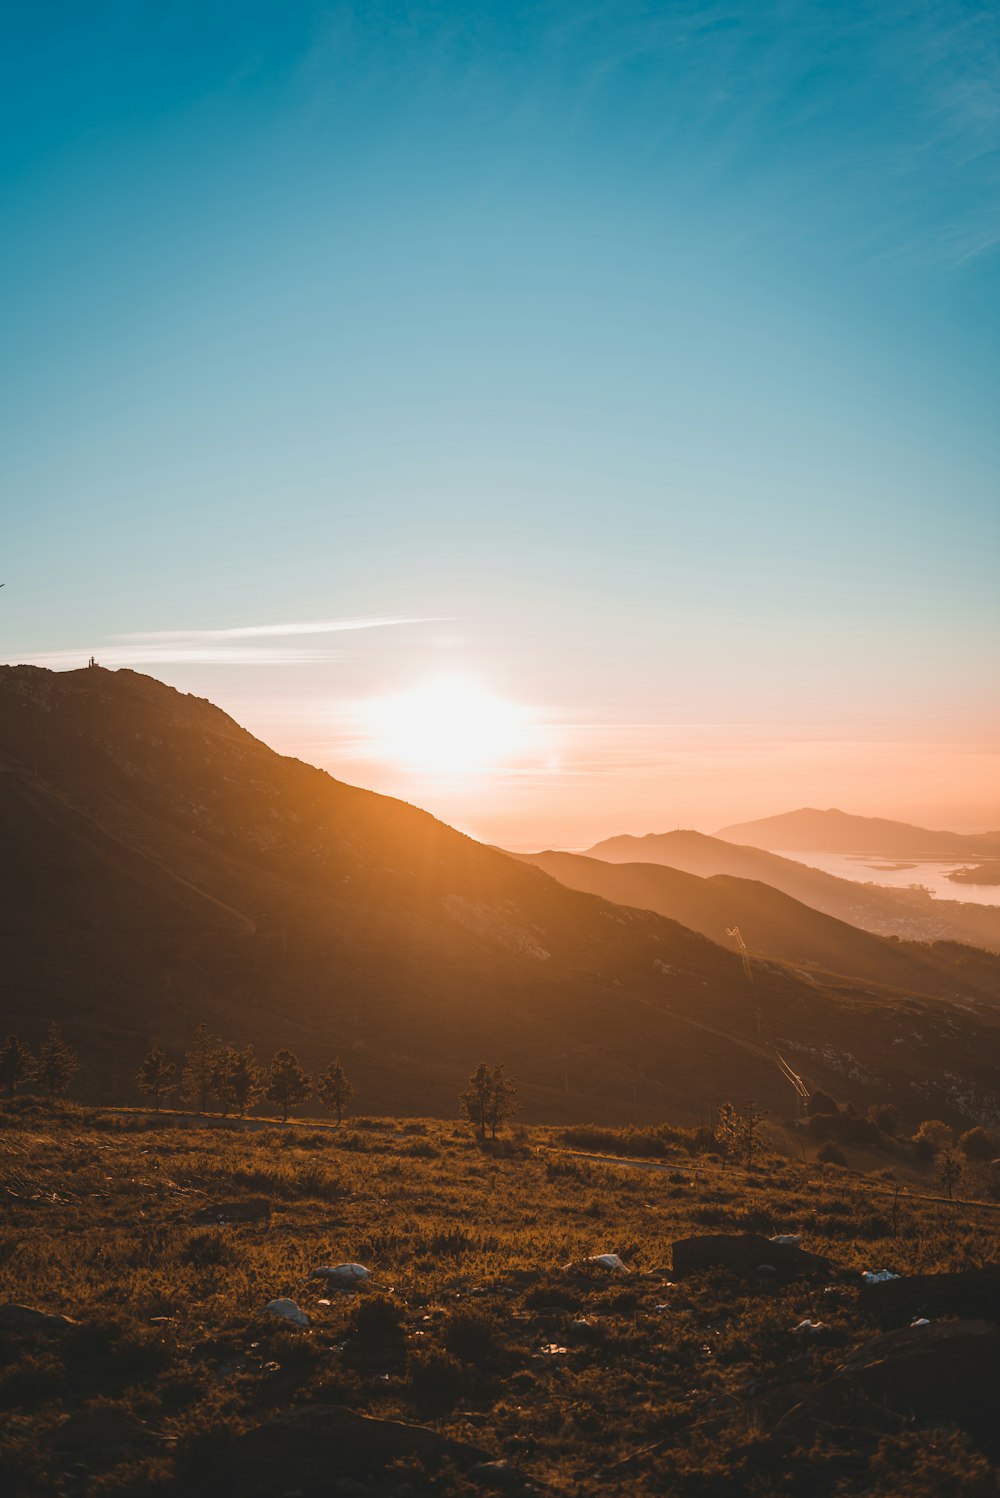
x,y
15,1317
968,1293
609,1263
743,1252
944,1370
288,1311
342,1276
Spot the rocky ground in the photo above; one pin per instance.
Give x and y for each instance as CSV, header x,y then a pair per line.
x,y
487,1349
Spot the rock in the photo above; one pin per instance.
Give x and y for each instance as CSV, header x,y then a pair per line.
x,y
809,1328
742,1252
15,1317
969,1293
945,1370
342,1276
878,1276
310,1448
252,1209
609,1262
288,1310
789,1240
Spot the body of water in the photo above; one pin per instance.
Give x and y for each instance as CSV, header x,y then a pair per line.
x,y
898,873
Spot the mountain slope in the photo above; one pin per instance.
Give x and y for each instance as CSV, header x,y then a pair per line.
x,y
775,926
911,914
162,866
812,831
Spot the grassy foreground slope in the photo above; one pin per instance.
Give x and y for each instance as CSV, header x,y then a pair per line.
x,y
164,1245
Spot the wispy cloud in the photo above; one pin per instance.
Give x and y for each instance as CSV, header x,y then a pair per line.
x,y
214,647
274,631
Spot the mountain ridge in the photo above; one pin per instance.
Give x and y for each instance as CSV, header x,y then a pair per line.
x,y
809,830
163,867
911,914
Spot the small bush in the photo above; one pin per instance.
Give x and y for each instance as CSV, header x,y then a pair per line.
x,y
831,1154
474,1336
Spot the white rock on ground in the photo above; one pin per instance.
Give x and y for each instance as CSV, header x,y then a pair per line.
x,y
288,1310
342,1274
608,1261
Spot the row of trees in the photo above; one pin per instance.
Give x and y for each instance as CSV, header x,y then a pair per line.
x,y
234,1079
52,1069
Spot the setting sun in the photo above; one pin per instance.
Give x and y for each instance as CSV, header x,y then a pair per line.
x,y
449,724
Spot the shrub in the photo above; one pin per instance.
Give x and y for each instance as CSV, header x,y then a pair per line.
x,y
844,1128
831,1154
934,1136
377,1320
820,1102
474,1336
886,1117
976,1144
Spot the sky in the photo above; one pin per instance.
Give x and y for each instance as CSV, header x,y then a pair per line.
x,y
572,419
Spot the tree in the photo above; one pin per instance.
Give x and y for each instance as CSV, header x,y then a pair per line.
x,y
752,1131
237,1079
821,1102
57,1062
739,1132
976,1144
490,1098
503,1098
196,1079
17,1064
932,1137
949,1171
727,1132
156,1075
334,1090
287,1083
886,1117
475,1100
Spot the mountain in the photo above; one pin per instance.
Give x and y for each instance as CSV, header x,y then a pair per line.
x,y
161,866
775,926
911,914
811,831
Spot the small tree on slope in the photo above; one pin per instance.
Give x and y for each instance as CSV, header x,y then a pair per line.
x,y
334,1090
237,1080
196,1079
156,1075
17,1064
57,1062
287,1083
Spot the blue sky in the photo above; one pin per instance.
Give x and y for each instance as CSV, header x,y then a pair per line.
x,y
645,356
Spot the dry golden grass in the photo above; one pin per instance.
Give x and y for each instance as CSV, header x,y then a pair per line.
x,y
659,1388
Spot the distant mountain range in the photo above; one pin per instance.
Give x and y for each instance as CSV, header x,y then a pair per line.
x,y
160,866
775,926
811,831
910,914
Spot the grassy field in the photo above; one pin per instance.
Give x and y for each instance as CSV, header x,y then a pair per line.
x,y
172,1380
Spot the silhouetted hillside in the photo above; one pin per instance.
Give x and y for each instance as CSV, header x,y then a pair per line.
x,y
775,926
811,831
911,914
162,866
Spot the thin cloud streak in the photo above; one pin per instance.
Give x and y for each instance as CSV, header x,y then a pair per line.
x,y
275,631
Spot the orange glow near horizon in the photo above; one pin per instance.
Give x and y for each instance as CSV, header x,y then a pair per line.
x,y
450,725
